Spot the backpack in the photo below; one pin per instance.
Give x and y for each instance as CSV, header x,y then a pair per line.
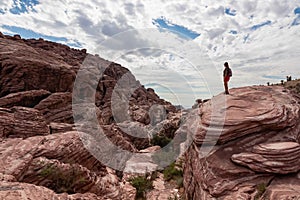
x,y
229,72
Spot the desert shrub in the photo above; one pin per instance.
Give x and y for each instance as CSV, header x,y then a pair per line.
x,y
160,140
172,172
62,181
142,185
261,188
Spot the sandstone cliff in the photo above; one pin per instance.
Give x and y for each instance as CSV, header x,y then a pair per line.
x,y
42,156
256,155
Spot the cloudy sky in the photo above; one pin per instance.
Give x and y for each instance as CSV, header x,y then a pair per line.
x,y
176,47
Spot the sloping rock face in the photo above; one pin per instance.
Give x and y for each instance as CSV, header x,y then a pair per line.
x,y
278,157
42,156
32,70
22,122
258,142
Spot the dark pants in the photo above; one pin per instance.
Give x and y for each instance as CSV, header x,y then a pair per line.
x,y
226,80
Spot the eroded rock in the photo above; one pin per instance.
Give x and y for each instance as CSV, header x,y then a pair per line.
x,y
278,158
22,122
261,131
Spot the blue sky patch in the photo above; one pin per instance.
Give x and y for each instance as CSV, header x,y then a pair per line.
x,y
230,12
233,32
246,38
255,27
163,23
27,34
74,44
297,11
296,21
21,6
274,77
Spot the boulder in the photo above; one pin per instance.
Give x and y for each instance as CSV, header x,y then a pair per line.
x,y
70,178
24,68
24,99
22,122
57,108
58,158
251,137
285,188
17,37
61,127
278,158
247,110
19,191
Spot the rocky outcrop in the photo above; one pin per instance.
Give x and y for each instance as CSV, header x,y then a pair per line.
x,y
57,108
52,161
16,190
24,99
39,145
22,122
278,158
248,110
27,67
258,141
286,188
24,68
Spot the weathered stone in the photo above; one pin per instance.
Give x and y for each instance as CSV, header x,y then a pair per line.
x,y
161,190
25,68
20,191
61,127
285,188
24,99
7,178
22,122
261,131
70,178
140,163
17,37
279,158
40,74
43,160
57,108
128,192
247,110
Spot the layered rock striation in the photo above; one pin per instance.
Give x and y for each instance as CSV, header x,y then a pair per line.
x,y
242,142
42,155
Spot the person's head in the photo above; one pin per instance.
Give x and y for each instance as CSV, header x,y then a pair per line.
x,y
226,64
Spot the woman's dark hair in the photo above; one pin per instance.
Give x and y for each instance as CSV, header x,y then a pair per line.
x,y
226,64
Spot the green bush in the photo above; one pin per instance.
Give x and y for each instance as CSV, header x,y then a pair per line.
x,y
61,181
261,188
160,140
142,185
172,172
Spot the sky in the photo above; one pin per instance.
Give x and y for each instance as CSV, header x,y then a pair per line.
x,y
176,47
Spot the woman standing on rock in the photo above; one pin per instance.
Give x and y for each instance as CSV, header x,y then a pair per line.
x,y
227,73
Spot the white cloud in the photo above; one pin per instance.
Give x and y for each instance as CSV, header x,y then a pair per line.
x,y
270,50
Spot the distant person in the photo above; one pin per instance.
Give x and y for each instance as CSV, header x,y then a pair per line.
x,y
227,73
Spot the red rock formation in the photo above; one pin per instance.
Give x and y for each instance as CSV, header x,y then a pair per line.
x,y
261,132
38,144
25,99
22,122
278,158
